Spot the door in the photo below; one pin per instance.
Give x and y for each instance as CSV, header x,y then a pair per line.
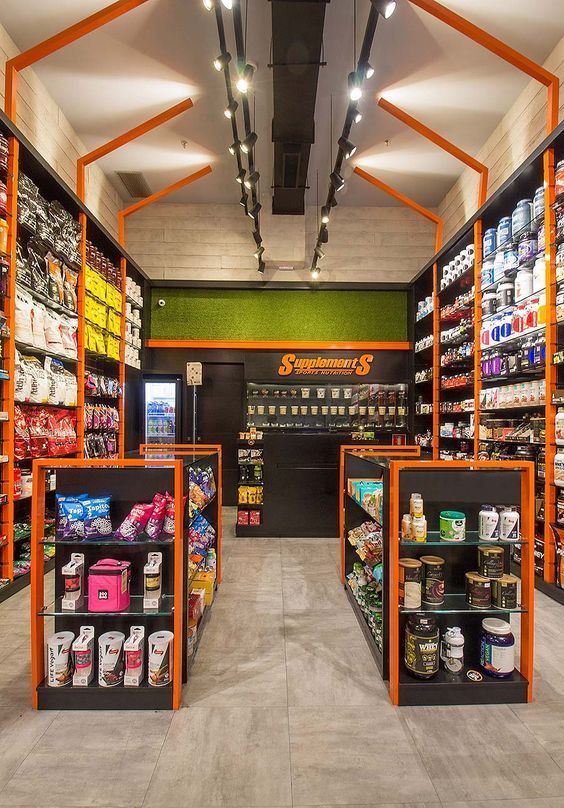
x,y
220,402
161,409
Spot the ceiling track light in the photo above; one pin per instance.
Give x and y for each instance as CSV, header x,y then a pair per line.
x,y
252,180
245,78
320,255
228,4
243,200
257,237
324,235
356,114
355,86
255,210
333,202
234,148
249,142
231,109
209,5
347,147
261,267
259,252
368,71
384,7
337,181
241,177
325,211
314,272
220,62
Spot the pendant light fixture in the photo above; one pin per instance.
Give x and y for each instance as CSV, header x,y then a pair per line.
x,y
384,7
231,109
234,148
220,62
252,180
249,143
347,147
245,79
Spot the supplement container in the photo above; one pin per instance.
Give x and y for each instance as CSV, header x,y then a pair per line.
x,y
523,284
559,427
521,218
422,646
538,204
490,241
527,248
504,230
497,648
559,178
539,274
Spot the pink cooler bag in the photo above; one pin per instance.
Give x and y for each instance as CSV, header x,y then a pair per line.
x,y
108,585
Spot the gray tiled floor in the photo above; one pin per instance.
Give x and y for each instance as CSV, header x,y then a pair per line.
x,y
284,708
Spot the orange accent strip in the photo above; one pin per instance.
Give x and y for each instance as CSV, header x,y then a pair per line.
x,y
55,43
393,578
528,579
411,203
372,450
81,346
478,227
499,48
551,375
278,346
126,137
122,214
443,143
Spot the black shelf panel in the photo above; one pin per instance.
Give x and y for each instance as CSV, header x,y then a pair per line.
x,y
446,689
94,697
365,628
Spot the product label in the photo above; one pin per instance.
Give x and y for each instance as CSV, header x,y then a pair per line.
x,y
498,659
488,525
412,595
421,654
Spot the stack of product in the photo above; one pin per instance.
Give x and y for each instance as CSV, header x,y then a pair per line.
x,y
44,432
251,480
54,228
366,578
38,327
103,304
460,265
133,323
369,494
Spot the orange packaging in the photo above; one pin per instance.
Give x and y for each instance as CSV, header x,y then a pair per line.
x,y
3,236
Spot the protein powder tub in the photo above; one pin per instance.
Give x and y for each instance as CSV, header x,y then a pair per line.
x,y
422,646
497,648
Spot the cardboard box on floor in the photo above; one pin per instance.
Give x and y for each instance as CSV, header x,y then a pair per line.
x,y
206,581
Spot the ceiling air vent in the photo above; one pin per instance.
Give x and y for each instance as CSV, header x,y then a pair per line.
x,y
135,184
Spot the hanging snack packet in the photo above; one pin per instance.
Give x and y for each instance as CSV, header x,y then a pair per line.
x,y
70,519
154,526
135,522
97,522
70,285
62,518
55,275
168,524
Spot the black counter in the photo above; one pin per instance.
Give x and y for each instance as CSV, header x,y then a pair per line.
x,y
301,480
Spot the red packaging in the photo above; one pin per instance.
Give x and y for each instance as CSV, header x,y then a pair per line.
x,y
254,517
61,438
22,447
17,483
242,517
155,524
134,523
36,419
196,604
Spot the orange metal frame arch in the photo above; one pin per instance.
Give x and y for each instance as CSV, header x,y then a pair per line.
x,y
55,43
443,143
411,203
499,48
125,212
126,137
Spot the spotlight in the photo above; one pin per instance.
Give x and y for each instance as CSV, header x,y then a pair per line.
x,y
355,88
209,4
252,180
314,271
357,114
243,201
336,181
258,253
241,177
245,79
320,255
234,147
324,235
249,142
257,237
261,267
229,4
220,62
333,202
347,147
384,7
325,214
231,109
368,71
254,212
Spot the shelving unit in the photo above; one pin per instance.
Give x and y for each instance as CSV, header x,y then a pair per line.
x,y
425,332
251,477
461,486
24,160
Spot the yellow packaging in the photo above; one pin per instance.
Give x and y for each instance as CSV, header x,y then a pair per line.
x,y
206,581
112,347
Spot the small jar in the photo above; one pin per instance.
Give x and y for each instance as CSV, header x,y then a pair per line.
x,y
497,648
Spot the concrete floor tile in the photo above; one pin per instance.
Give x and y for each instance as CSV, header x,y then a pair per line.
x,y
18,736
224,756
345,756
242,632
314,592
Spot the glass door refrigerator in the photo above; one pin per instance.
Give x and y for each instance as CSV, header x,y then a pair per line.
x,y
162,409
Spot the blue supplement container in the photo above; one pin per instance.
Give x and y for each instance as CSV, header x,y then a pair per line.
x,y
490,241
497,648
521,218
504,230
538,204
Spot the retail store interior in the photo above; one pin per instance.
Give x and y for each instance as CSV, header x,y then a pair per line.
x,y
282,418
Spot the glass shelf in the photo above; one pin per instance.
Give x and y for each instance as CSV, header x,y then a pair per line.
x,y
109,541
433,538
166,609
457,604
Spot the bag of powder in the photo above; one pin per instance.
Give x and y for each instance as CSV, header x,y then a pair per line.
x,y
134,523
97,522
70,519
154,526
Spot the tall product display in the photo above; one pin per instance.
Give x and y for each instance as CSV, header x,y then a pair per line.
x,y
162,410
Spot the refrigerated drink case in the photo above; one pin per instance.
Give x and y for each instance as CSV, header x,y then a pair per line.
x,y
162,411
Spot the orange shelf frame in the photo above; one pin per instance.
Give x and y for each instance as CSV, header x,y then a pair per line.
x,y
442,143
38,562
527,470
499,48
198,450
374,450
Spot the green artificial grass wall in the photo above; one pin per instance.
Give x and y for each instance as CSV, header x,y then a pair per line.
x,y
251,314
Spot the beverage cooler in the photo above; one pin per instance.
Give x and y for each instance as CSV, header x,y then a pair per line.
x,y
162,409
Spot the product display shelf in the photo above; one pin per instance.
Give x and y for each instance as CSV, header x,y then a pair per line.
x,y
251,462
126,482
423,402
362,463
24,159
462,487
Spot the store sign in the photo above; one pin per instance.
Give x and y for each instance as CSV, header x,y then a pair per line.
x,y
293,365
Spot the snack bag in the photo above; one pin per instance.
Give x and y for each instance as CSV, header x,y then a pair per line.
x,y
135,522
156,520
168,524
97,522
22,447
